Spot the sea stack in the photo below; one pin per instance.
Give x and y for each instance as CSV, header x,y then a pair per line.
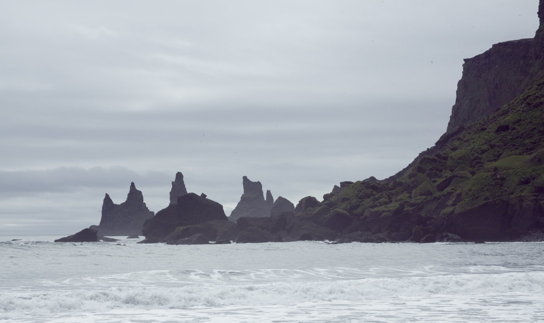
x,y
252,203
178,188
126,218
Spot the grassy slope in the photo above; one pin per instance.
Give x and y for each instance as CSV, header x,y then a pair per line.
x,y
501,157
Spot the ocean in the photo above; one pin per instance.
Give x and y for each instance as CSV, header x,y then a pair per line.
x,y
43,281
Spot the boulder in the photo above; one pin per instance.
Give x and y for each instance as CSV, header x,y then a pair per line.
x,y
85,235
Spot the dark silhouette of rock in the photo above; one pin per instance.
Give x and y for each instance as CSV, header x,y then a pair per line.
x,y
178,188
307,203
85,235
190,209
282,205
252,202
219,231
126,218
285,227
269,198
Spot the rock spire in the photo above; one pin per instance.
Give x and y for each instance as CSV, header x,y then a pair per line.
x,y
126,218
252,203
178,188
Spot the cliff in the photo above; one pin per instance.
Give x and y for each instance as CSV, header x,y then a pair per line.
x,y
484,178
496,77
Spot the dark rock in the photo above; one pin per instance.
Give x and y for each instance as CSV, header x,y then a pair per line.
x,y
502,128
307,203
178,188
282,205
194,239
190,209
269,198
255,235
85,235
252,202
449,237
429,238
496,77
220,230
108,239
488,221
337,220
345,184
126,218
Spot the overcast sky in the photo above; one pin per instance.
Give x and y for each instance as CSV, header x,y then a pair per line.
x,y
299,94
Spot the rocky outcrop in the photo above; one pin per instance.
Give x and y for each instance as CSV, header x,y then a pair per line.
x,y
178,188
252,202
85,235
190,209
281,206
496,77
126,218
483,180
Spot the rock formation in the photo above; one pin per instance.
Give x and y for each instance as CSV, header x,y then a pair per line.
x,y
484,178
190,209
178,188
85,235
269,198
252,202
281,206
126,218
496,77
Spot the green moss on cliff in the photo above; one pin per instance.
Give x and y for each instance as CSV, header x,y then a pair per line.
x,y
501,157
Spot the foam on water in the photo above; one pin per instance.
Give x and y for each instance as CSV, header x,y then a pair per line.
x,y
271,282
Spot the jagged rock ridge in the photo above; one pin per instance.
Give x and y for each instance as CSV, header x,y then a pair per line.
x,y
126,218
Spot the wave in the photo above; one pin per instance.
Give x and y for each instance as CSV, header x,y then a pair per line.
x,y
253,289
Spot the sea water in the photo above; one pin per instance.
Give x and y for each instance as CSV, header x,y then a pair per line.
x,y
43,281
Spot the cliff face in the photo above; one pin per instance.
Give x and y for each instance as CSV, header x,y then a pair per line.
x,y
126,218
483,180
496,77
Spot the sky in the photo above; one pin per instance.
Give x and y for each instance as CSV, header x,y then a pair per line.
x,y
298,94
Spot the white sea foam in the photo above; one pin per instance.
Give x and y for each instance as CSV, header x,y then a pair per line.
x,y
271,282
